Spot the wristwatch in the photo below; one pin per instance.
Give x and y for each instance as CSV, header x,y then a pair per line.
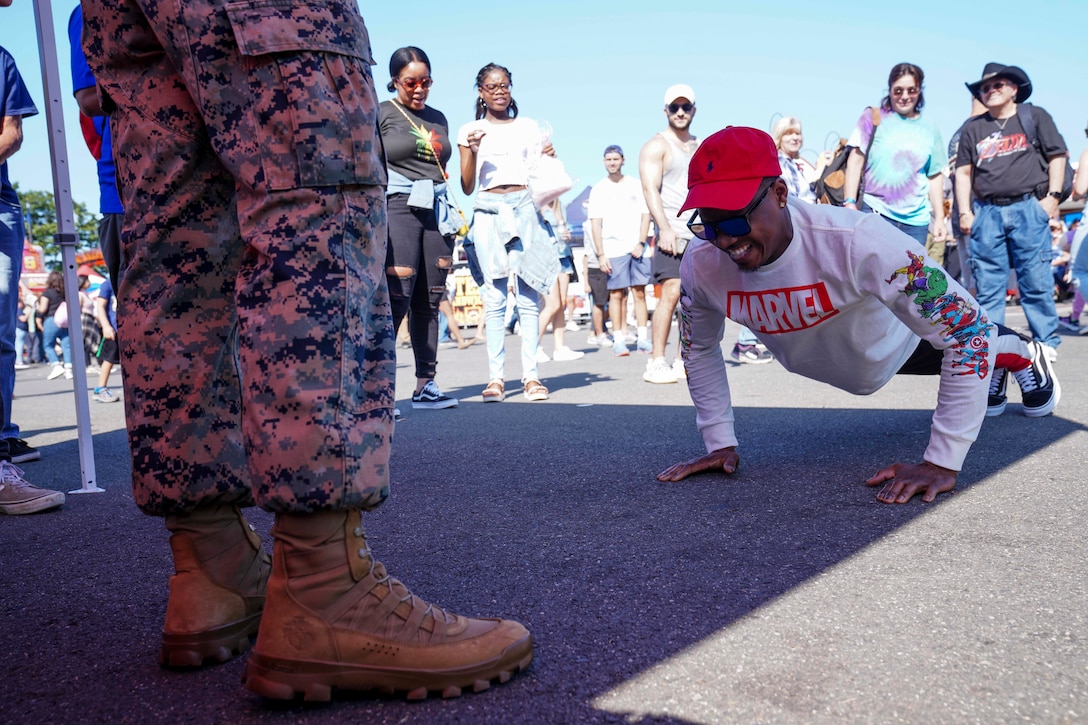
x,y
1056,194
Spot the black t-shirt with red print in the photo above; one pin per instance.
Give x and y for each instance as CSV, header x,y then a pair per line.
x,y
1004,162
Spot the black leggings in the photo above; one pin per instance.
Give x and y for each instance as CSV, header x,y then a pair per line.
x,y
415,243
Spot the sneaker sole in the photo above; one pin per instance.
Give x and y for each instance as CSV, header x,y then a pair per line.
x,y
314,681
993,411
650,379
214,645
1050,405
42,503
436,405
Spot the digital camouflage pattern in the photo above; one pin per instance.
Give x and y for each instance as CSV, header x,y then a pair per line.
x,y
254,315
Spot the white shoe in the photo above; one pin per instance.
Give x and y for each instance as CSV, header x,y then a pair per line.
x,y
659,372
564,354
572,326
1051,353
678,369
541,356
56,372
604,341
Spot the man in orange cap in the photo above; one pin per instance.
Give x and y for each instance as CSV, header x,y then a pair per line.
x,y
837,296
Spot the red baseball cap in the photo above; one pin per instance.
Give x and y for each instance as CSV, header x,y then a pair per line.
x,y
727,169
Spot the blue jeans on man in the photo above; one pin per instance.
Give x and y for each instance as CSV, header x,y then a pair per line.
x,y
1018,233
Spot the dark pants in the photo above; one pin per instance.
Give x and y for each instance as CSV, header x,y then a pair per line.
x,y
414,242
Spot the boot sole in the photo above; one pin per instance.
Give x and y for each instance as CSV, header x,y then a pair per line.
x,y
194,649
283,679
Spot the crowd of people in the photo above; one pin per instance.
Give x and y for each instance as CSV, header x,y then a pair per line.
x,y
278,217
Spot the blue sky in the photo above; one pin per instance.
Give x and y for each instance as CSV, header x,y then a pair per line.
x,y
596,71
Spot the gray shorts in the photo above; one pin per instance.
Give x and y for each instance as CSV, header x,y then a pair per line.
x,y
628,272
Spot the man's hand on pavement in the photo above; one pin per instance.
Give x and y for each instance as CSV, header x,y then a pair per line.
x,y
903,480
723,459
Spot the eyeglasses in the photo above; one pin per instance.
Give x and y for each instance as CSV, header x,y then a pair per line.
x,y
912,91
994,85
736,226
410,84
492,87
685,107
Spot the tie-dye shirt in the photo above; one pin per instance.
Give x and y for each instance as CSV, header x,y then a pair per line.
x,y
905,153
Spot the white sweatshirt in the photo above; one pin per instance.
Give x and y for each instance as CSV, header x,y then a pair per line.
x,y
846,304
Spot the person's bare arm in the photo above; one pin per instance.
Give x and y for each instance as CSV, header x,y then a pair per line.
x,y
651,170
936,202
598,245
963,199
855,164
1080,183
11,137
87,100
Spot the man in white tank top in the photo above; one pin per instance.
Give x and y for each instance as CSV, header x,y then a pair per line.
x,y
663,169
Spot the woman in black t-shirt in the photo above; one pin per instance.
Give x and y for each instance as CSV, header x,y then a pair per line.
x,y
48,304
422,221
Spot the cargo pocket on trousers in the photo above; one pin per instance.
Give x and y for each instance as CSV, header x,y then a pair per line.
x,y
313,100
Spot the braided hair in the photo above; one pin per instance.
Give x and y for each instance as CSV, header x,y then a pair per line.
x,y
481,107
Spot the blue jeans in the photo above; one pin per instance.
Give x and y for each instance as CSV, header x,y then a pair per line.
x,y
526,299
11,267
51,333
1078,252
918,233
1018,233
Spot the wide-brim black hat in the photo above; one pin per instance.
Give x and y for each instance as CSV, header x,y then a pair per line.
x,y
1012,72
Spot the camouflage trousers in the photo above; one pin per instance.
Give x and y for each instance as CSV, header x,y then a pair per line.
x,y
254,320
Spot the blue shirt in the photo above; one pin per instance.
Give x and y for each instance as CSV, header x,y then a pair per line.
x,y
14,101
109,202
105,292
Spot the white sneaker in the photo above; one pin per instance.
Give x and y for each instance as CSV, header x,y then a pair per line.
x,y
678,369
541,356
604,341
572,326
659,372
1051,353
565,354
56,372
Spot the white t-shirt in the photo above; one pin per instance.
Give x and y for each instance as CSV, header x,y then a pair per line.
x,y
620,206
505,150
845,304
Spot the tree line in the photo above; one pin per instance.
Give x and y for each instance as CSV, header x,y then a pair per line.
x,y
40,220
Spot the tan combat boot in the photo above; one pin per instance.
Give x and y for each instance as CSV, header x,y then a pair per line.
x,y
336,620
217,594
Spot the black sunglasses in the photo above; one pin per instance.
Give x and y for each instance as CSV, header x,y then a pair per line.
x,y
686,107
735,226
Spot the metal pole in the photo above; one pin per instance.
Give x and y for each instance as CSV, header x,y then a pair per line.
x,y
66,236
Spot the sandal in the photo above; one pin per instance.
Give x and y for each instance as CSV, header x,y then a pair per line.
x,y
494,392
534,390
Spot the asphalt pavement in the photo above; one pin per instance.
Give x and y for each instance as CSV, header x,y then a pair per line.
x,y
785,593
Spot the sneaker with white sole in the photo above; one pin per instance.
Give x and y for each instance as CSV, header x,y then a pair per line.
x,y
751,354
430,397
1068,323
19,497
17,450
679,370
619,348
659,372
565,354
56,372
105,395
644,346
541,356
604,340
1039,388
1051,353
996,400
572,326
